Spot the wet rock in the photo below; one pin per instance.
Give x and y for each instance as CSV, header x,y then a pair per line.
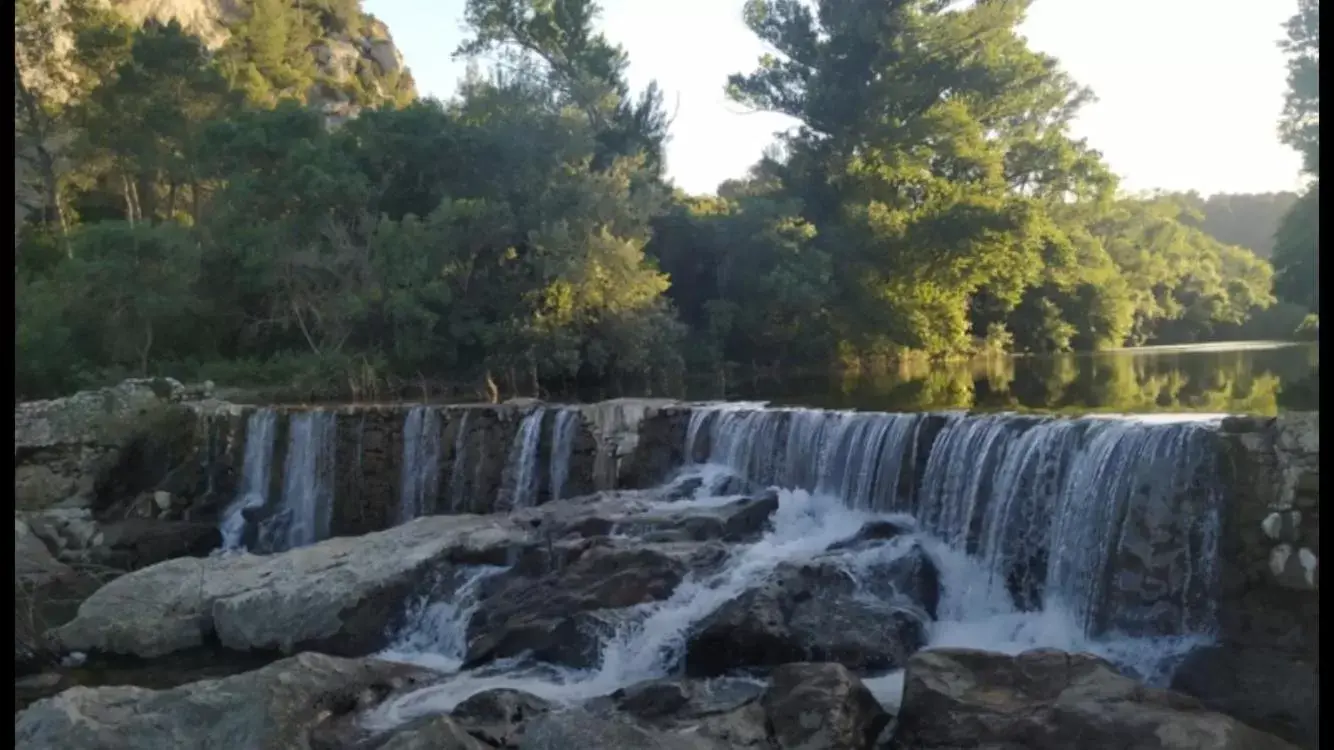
x,y
821,707
436,733
273,708
871,533
1265,688
1052,700
338,596
726,709
907,578
743,520
804,613
556,616
497,715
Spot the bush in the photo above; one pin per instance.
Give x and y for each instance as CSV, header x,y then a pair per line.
x,y
1308,329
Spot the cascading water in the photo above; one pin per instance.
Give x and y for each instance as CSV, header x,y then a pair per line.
x,y
254,489
520,485
420,475
1096,535
458,477
562,448
305,513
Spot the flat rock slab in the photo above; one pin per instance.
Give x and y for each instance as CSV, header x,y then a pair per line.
x,y
338,596
273,708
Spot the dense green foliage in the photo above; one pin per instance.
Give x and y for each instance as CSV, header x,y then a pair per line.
x,y
201,216
1297,242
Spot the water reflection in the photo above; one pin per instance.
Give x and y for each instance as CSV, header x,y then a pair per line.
x,y
1238,379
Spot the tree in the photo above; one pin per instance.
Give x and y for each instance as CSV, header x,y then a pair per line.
x,y
933,145
1297,242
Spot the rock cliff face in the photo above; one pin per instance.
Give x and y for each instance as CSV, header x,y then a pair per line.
x,y
358,66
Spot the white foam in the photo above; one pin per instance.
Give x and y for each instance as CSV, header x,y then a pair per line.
x,y
975,611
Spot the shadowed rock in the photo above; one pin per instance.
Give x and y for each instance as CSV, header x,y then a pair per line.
x,y
1052,700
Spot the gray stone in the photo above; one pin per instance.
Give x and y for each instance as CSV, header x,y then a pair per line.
x,y
47,594
580,729
496,715
436,733
805,612
561,616
1052,700
273,708
821,707
339,595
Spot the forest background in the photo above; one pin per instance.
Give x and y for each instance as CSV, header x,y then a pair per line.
x,y
264,200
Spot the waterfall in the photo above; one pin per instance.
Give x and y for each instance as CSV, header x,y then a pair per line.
x,y
254,489
1096,535
420,476
1116,520
520,490
562,448
457,477
306,510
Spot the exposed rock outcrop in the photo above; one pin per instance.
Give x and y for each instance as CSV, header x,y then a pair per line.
x,y
562,616
47,594
805,613
338,596
1052,700
277,707
65,448
821,707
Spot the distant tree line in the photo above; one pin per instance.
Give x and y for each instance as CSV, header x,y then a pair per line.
x,y
200,214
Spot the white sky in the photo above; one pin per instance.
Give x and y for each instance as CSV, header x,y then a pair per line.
x,y
1189,91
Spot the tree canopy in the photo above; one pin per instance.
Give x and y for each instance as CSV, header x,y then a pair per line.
x,y
202,213
1297,241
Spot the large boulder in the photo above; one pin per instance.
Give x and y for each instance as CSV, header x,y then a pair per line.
x,y
277,707
47,593
821,707
495,716
1052,700
435,733
1266,688
338,596
805,613
64,447
560,616
647,516
581,729
726,710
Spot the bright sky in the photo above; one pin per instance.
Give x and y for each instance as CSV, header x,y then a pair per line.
x,y
1189,91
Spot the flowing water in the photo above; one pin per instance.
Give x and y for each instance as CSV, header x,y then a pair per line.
x,y
1096,535
562,448
520,485
458,490
305,512
420,474
254,489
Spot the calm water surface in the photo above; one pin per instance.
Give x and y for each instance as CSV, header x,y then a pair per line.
x,y
1236,378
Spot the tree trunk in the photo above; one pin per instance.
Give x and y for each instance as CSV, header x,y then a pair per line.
x,y
127,188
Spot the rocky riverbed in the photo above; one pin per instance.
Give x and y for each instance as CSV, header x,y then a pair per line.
x,y
718,609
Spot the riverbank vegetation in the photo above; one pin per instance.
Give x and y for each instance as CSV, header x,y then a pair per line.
x,y
201,214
